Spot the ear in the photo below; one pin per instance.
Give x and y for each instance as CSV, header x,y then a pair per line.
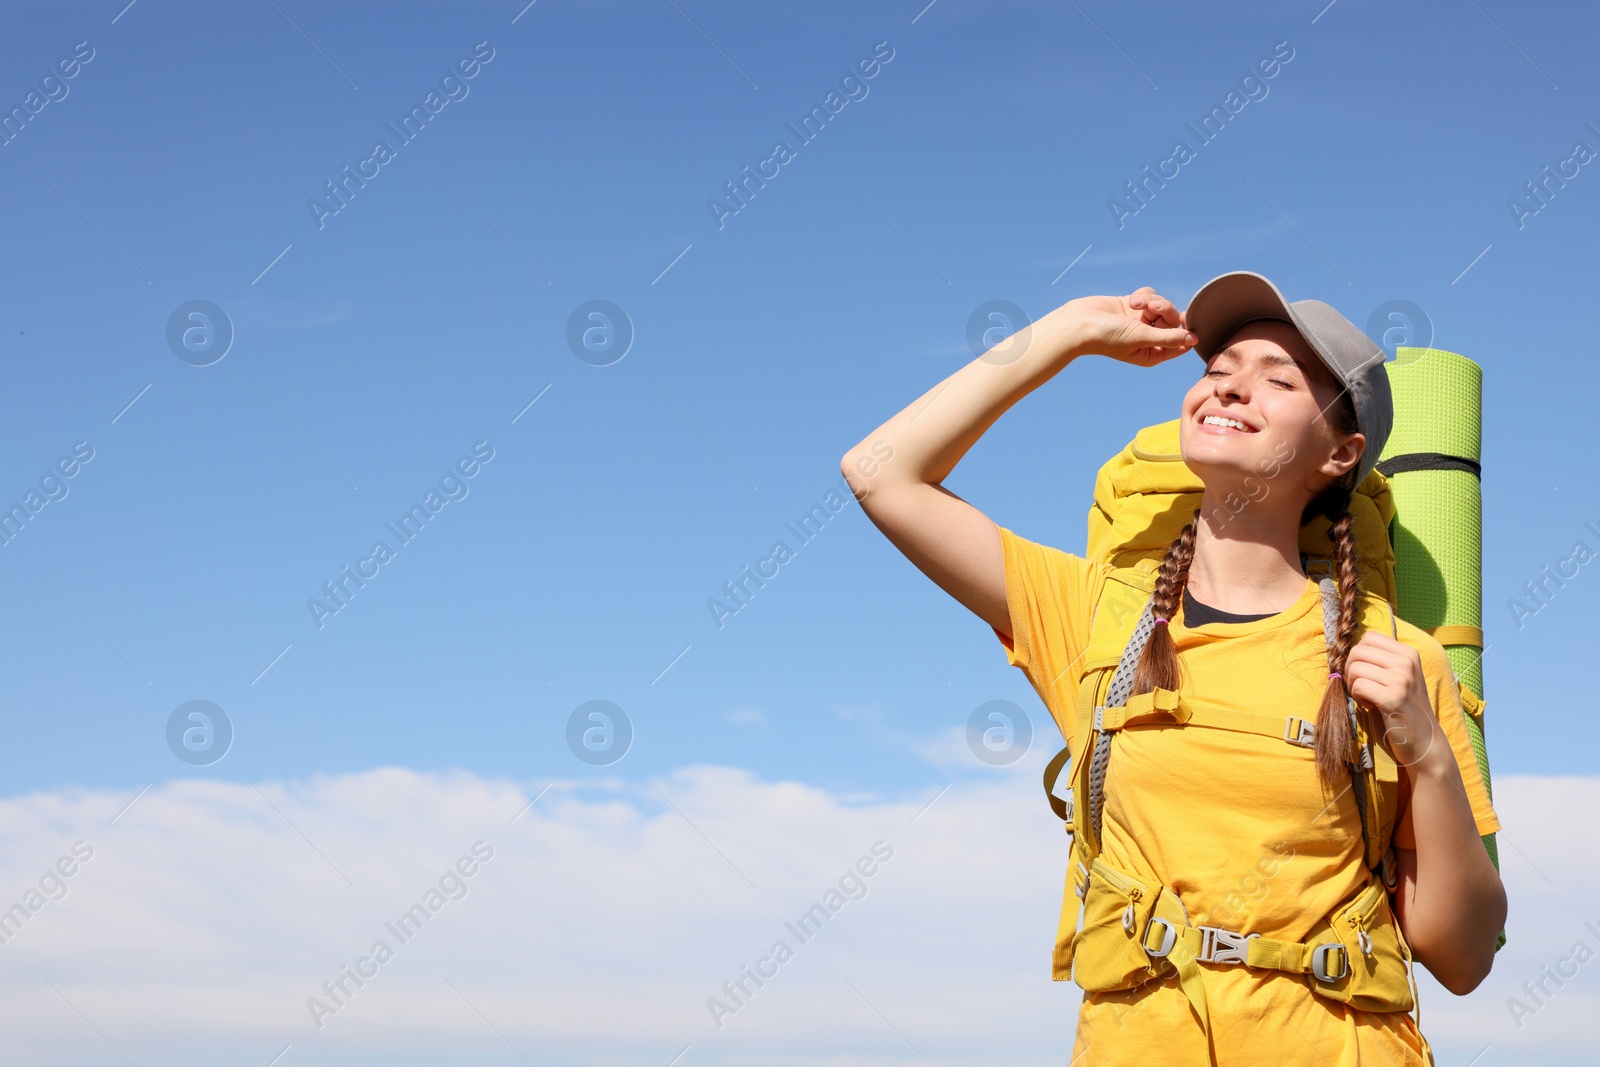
x,y
1344,457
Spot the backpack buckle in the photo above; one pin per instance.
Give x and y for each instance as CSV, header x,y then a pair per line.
x,y
1169,937
1300,732
1319,962
1222,946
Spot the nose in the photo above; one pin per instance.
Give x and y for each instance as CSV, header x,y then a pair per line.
x,y
1231,386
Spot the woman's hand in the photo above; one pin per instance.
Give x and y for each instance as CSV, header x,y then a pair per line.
x,y
1142,328
1449,900
1386,675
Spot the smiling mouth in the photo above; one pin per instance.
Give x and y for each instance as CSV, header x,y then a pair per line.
x,y
1223,422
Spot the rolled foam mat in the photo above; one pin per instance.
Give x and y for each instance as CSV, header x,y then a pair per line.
x,y
1432,462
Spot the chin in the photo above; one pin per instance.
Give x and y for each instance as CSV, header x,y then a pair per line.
x,y
1223,459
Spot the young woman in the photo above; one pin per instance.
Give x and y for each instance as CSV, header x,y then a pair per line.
x,y
1251,840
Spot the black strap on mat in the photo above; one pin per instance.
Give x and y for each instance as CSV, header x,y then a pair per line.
x,y
1429,461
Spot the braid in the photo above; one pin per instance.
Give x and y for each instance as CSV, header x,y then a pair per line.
x,y
1335,736
1335,740
1158,663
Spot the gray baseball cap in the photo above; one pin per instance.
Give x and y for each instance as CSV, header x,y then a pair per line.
x,y
1228,301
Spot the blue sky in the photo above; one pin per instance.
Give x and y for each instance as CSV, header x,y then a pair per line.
x,y
383,345
376,346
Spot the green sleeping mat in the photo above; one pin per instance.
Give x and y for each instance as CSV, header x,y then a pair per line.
x,y
1432,463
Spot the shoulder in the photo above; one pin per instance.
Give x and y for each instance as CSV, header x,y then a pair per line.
x,y
1046,560
1435,663
1379,615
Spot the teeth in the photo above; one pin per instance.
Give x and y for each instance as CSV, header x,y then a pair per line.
x,y
1219,420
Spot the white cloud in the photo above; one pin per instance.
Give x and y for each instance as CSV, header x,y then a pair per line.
x,y
946,748
210,912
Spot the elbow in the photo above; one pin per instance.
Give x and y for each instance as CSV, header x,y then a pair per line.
x,y
1460,968
1461,962
847,467
1467,976
862,464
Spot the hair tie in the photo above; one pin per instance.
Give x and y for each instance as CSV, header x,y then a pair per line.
x,y
1161,622
1334,675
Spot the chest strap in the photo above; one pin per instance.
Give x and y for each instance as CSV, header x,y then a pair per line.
x,y
1163,707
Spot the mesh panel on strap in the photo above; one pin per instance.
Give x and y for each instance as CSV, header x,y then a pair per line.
x,y
1116,696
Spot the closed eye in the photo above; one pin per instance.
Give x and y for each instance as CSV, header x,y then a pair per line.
x,y
1275,381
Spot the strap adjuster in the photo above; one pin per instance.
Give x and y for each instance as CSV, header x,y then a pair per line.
x,y
1223,946
1300,732
1080,886
1319,961
1169,937
1389,869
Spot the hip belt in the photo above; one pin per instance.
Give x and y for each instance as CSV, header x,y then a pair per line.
x,y
1133,932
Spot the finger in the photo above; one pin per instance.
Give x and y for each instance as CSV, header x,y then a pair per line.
x,y
1155,308
1404,652
1360,687
1364,674
1171,315
1382,648
1167,337
1161,311
1376,677
1385,683
1381,640
1373,692
1377,656
1364,666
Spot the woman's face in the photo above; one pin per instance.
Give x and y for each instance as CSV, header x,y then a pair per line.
x,y
1260,411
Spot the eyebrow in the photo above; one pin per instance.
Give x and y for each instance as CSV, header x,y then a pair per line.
x,y
1270,358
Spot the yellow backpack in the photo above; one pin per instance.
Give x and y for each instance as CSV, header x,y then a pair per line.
x,y
1143,497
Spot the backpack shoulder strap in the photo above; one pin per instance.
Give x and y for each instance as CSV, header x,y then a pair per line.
x,y
1123,623
1116,628
1384,797
1116,612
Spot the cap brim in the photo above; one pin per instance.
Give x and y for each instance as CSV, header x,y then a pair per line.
x,y
1230,300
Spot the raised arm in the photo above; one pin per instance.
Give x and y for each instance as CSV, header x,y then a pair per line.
x,y
897,470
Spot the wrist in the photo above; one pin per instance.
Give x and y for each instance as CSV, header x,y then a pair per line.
x,y
1062,334
1437,762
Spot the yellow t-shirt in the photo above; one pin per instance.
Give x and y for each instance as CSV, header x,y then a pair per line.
x,y
1259,849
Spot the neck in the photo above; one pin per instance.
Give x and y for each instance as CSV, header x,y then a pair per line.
x,y
1247,559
